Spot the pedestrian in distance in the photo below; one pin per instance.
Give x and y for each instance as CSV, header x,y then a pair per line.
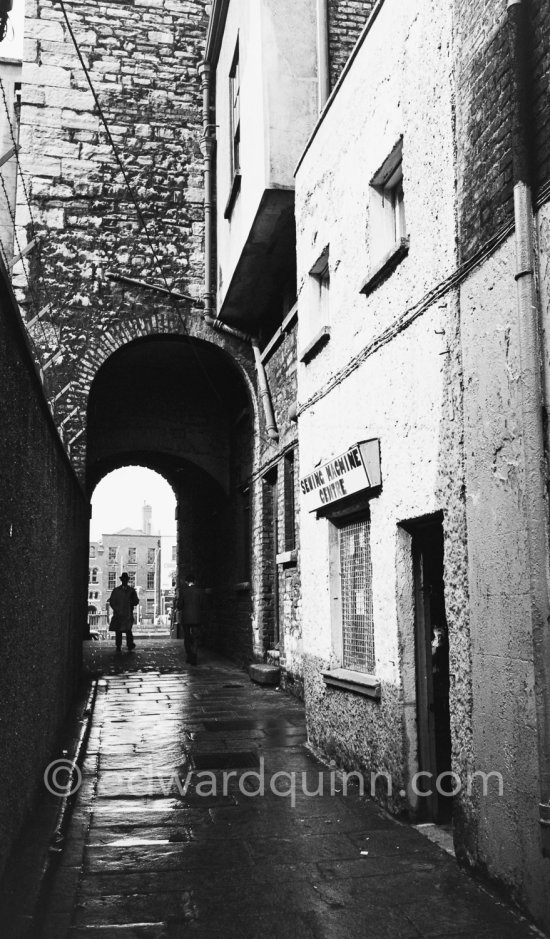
x,y
190,607
122,601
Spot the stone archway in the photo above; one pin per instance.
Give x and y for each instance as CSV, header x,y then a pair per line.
x,y
159,324
183,407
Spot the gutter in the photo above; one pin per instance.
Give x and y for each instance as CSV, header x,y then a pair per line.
x,y
533,399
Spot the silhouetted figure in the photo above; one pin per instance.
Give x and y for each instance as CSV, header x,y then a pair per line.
x,y
123,600
190,606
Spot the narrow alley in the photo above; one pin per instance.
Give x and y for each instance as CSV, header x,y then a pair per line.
x,y
162,844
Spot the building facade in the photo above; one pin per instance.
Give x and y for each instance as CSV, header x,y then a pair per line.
x,y
422,503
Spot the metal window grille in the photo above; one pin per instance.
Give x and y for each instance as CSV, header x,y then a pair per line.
x,y
356,579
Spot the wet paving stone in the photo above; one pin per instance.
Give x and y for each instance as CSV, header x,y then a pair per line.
x,y
202,814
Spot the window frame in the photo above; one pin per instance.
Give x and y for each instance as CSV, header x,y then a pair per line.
x,y
318,306
387,220
234,89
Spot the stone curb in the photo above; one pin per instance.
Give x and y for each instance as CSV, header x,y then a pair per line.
x,y
24,888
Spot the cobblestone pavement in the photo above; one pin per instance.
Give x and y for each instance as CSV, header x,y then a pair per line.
x,y
163,846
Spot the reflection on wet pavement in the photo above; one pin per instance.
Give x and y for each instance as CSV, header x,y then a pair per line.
x,y
200,815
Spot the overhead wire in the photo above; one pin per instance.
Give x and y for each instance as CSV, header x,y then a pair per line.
x,y
135,202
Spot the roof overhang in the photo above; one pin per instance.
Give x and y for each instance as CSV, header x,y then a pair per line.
x,y
266,255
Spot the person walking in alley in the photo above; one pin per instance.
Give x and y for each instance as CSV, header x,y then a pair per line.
x,y
122,601
190,607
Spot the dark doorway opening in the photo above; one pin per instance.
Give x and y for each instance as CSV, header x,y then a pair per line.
x,y
432,672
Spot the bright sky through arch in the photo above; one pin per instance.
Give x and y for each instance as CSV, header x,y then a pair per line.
x,y
118,500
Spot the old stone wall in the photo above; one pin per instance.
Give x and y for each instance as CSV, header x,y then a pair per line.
x,y
484,155
43,578
276,520
346,19
143,62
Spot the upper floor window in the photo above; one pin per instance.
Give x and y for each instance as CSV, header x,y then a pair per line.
x,y
132,578
388,241
111,580
174,552
234,132
113,553
150,555
150,580
92,551
132,555
317,307
93,578
235,113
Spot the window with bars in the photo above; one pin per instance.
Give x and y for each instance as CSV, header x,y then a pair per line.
x,y
289,507
356,596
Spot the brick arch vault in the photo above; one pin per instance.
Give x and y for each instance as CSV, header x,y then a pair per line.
x,y
179,397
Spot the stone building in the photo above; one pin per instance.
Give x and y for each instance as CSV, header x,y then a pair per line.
x,y
271,256
138,554
423,482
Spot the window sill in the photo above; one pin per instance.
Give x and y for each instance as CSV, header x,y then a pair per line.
x,y
359,682
385,266
287,558
315,345
233,193
243,587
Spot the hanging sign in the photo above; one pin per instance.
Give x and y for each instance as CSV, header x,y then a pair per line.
x,y
351,472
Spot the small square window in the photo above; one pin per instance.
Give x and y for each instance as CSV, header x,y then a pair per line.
x,y
387,224
317,310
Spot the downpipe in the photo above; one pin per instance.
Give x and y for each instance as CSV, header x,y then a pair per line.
x,y
323,69
271,426
532,390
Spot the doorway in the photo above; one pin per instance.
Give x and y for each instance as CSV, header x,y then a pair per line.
x,y
432,672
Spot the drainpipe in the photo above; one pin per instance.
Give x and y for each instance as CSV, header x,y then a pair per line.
x,y
208,147
323,72
532,401
271,427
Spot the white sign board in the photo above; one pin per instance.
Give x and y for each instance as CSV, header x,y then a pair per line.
x,y
351,472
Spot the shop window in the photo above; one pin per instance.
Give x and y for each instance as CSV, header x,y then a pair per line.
x,y
150,580
356,596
